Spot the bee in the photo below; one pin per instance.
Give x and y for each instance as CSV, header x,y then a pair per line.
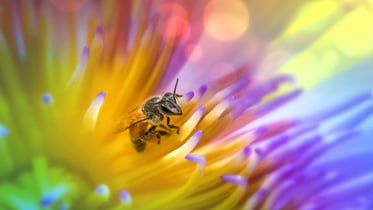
x,y
144,122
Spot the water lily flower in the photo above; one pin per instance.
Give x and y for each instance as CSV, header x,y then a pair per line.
x,y
274,114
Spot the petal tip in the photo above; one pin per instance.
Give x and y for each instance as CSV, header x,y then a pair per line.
x,y
189,95
260,152
101,94
261,130
3,131
100,29
235,179
201,109
47,98
86,51
197,158
102,190
47,201
202,90
247,151
198,134
125,197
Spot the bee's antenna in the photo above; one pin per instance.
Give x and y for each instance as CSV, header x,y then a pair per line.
x,y
177,81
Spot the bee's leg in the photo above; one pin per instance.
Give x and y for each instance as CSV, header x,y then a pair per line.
x,y
139,144
158,134
146,135
172,126
151,130
164,127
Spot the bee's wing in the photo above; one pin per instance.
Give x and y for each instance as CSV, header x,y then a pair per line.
x,y
131,118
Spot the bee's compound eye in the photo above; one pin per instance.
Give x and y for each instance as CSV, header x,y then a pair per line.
x,y
170,108
166,108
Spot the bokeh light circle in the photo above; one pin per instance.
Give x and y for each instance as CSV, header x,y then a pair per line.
x,y
172,9
226,20
173,20
174,27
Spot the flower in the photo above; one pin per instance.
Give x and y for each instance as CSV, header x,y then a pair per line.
x,y
72,72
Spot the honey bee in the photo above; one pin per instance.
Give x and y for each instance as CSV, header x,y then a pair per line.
x,y
144,122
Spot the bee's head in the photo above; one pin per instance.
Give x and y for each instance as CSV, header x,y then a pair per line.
x,y
169,104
